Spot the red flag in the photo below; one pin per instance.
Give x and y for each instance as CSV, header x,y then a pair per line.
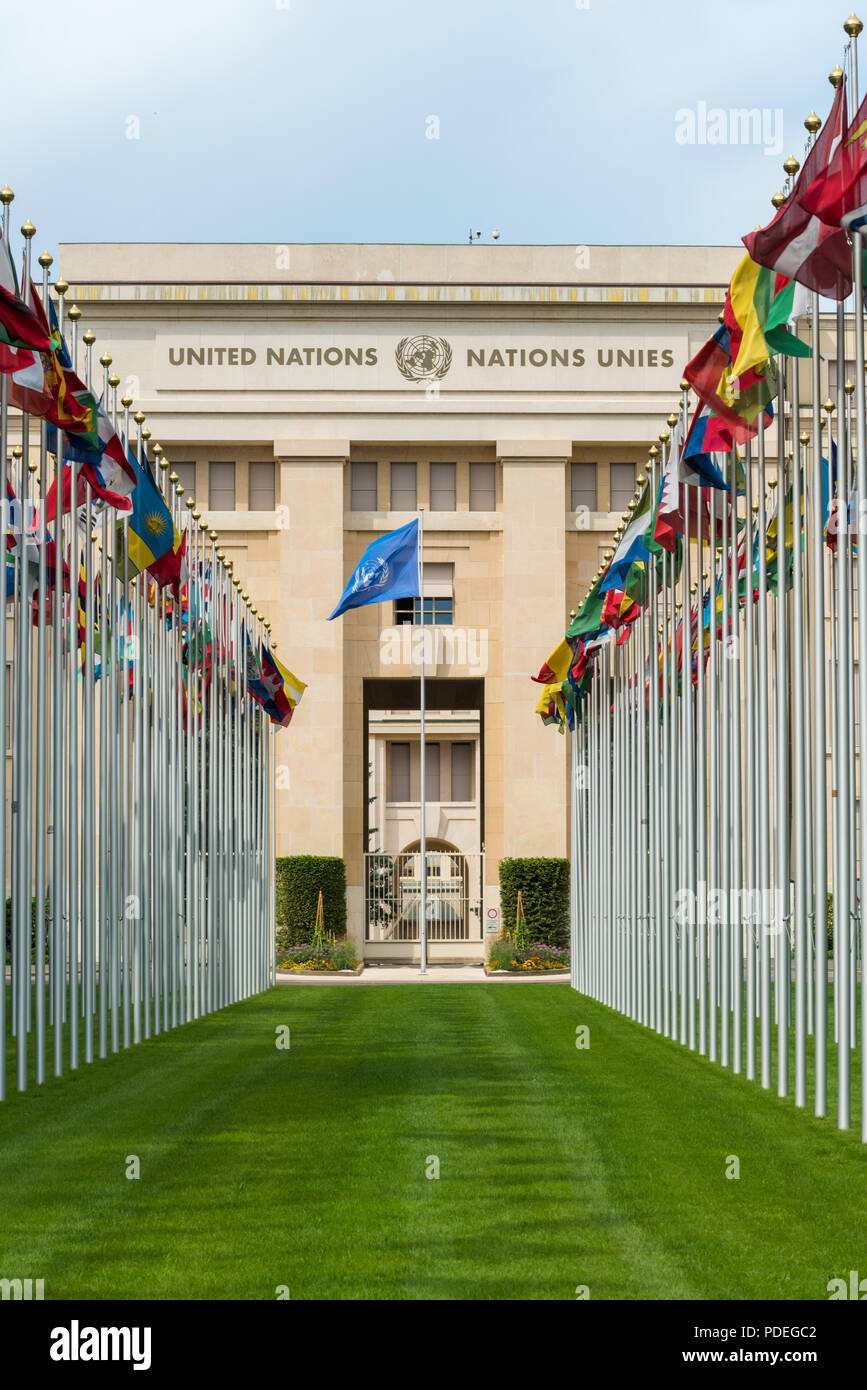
x,y
797,243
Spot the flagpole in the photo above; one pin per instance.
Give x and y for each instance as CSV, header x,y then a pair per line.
x,y
6,196
422,752
45,261
853,28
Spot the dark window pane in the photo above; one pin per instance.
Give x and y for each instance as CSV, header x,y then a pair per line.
x,y
262,487
221,487
403,487
442,487
584,486
483,487
399,786
462,764
362,487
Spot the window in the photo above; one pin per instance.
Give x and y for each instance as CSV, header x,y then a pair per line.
x,y
403,487
261,487
622,486
437,611
186,476
462,771
398,786
583,486
431,772
221,487
483,487
362,487
438,599
443,487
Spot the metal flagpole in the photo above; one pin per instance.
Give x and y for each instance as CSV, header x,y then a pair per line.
x,y
853,28
422,768
6,196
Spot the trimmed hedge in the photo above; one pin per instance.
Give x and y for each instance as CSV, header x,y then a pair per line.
x,y
544,885
299,879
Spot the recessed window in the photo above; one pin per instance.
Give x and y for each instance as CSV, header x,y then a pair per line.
x,y
186,476
362,487
404,492
398,782
221,487
439,601
462,771
443,487
261,487
437,611
483,487
622,485
583,480
432,771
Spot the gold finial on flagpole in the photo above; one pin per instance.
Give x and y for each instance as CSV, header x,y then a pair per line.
x,y
778,199
173,477
179,489
653,451
60,287
145,434
671,420
89,337
126,402
835,76
191,502
684,385
791,166
6,195
158,448
28,230
849,387
664,436
829,407
75,314
804,437
114,380
641,480
45,259
853,26
812,123
213,535
105,360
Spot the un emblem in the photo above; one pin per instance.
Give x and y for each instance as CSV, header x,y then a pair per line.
x,y
423,358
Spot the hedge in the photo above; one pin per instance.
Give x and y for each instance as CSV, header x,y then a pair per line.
x,y
298,881
544,885
48,928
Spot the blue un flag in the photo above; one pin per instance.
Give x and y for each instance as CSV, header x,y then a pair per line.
x,y
387,569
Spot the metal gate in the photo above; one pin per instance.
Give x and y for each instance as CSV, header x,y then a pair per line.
x,y
454,896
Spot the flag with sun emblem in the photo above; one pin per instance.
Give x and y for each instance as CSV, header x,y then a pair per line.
x,y
149,532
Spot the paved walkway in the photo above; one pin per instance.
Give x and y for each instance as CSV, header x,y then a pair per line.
x,y
409,975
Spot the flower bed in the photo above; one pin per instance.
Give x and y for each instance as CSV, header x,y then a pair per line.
x,y
332,956
536,956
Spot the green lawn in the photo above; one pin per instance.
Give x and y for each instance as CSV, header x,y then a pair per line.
x,y
263,1167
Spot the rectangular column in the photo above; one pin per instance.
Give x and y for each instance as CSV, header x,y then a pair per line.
x,y
532,757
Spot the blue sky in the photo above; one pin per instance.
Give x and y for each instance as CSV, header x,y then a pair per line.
x,y
262,120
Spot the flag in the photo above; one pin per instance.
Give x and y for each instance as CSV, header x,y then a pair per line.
x,y
588,623
798,244
150,536
19,326
759,303
44,387
839,192
556,668
388,569
284,689
631,549
736,401
704,452
104,464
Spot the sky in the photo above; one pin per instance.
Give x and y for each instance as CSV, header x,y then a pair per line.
x,y
553,121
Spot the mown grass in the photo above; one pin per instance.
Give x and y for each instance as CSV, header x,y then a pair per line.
x,y
306,1167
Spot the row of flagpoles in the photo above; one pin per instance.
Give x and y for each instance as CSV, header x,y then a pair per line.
x,y
140,695
710,677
